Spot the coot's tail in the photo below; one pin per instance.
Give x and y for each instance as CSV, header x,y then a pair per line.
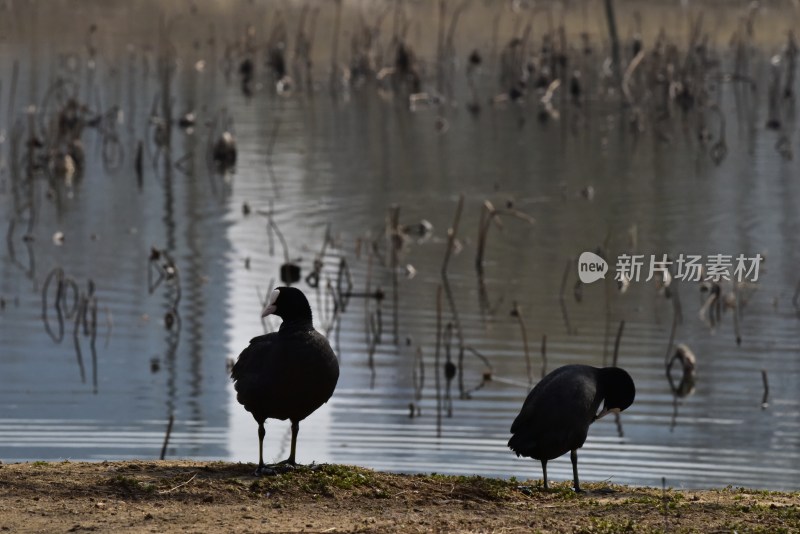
x,y
520,444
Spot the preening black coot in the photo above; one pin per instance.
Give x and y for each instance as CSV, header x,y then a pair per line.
x,y
287,374
555,417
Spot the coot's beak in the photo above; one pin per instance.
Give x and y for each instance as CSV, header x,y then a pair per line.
x,y
272,303
605,412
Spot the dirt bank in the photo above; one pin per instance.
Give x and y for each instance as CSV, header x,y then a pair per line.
x,y
185,496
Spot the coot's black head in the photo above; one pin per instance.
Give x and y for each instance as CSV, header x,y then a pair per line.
x,y
618,389
289,304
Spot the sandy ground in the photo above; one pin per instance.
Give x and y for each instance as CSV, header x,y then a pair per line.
x,y
185,496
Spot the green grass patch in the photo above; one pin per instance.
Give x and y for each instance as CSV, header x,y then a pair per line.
x,y
131,485
609,526
322,480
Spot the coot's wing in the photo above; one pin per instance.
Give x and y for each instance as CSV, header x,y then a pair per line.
x,y
252,371
533,407
248,361
556,415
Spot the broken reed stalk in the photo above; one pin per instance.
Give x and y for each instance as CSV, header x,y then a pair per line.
x,y
395,242
674,328
440,47
451,235
367,287
86,317
626,78
482,358
436,361
674,421
617,342
449,370
66,283
335,47
58,274
517,312
375,330
612,32
765,398
449,56
90,328
176,276
418,372
182,484
76,337
487,216
165,56
166,437
270,232
274,227
454,310
331,296
344,284
138,165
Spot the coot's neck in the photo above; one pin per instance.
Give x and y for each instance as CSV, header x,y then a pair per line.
x,y
298,323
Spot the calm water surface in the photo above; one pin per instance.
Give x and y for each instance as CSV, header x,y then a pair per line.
x,y
340,163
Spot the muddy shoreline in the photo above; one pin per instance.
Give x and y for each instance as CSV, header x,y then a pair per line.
x,y
189,496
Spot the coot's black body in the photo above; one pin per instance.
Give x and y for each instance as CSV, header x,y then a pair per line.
x,y
287,374
555,417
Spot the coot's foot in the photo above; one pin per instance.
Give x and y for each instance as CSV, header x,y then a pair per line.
x,y
527,490
283,467
265,470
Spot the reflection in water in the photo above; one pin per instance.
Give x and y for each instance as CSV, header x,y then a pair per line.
x,y
86,321
685,387
30,268
69,302
343,183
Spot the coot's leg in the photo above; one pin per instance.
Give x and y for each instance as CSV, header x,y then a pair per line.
x,y
262,469
544,473
573,455
290,459
261,433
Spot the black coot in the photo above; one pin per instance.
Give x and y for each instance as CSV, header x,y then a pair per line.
x,y
555,417
287,374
